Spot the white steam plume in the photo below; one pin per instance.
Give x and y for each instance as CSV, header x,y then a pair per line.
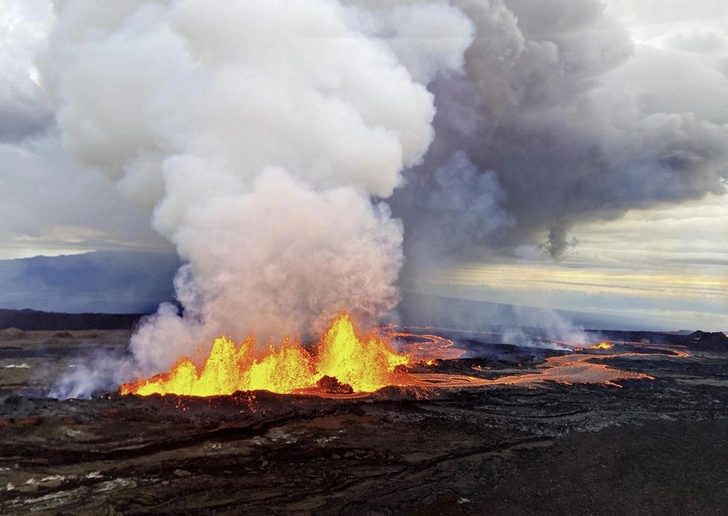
x,y
257,133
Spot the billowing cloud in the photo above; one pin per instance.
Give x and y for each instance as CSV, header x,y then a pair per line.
x,y
259,135
575,120
24,26
48,204
548,118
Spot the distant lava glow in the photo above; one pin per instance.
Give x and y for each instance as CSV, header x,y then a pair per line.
x,y
365,363
602,345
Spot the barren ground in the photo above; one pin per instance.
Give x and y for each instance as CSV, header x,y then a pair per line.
x,y
650,447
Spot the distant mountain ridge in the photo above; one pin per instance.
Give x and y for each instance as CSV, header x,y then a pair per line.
x,y
98,282
33,320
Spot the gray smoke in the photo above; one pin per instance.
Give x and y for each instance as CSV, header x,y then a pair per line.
x,y
458,207
574,119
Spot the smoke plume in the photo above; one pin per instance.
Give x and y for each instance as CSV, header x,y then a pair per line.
x,y
258,135
270,140
573,120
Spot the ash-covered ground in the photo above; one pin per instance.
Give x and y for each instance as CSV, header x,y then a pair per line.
x,y
625,447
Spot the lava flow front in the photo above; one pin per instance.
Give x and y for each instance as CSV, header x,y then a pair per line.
x,y
364,363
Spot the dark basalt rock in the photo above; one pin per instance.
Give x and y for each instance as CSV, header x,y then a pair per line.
x,y
708,341
331,385
34,320
650,447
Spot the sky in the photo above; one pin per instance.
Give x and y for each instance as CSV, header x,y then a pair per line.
x,y
663,268
49,204
662,258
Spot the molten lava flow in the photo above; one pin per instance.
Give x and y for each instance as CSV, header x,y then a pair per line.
x,y
366,364
602,345
425,347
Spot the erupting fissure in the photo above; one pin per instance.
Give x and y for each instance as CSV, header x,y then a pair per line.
x,y
366,363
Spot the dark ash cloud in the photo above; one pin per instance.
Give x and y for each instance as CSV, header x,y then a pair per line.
x,y
572,121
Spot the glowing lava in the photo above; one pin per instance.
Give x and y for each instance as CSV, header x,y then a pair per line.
x,y
356,366
365,363
602,345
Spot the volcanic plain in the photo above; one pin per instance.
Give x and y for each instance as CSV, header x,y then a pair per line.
x,y
640,428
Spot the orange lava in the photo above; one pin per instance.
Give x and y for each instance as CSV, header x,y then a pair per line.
x,y
602,345
425,347
365,363
575,369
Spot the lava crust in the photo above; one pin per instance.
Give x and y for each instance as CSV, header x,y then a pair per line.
x,y
553,445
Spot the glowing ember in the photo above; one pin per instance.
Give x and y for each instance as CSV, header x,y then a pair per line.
x,y
366,364
602,345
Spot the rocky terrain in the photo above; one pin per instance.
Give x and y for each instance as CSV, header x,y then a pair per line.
x,y
34,320
628,447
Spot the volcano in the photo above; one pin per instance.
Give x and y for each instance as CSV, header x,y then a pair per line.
x,y
488,427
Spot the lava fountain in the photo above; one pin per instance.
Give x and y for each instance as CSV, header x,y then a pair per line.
x,y
365,363
346,363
